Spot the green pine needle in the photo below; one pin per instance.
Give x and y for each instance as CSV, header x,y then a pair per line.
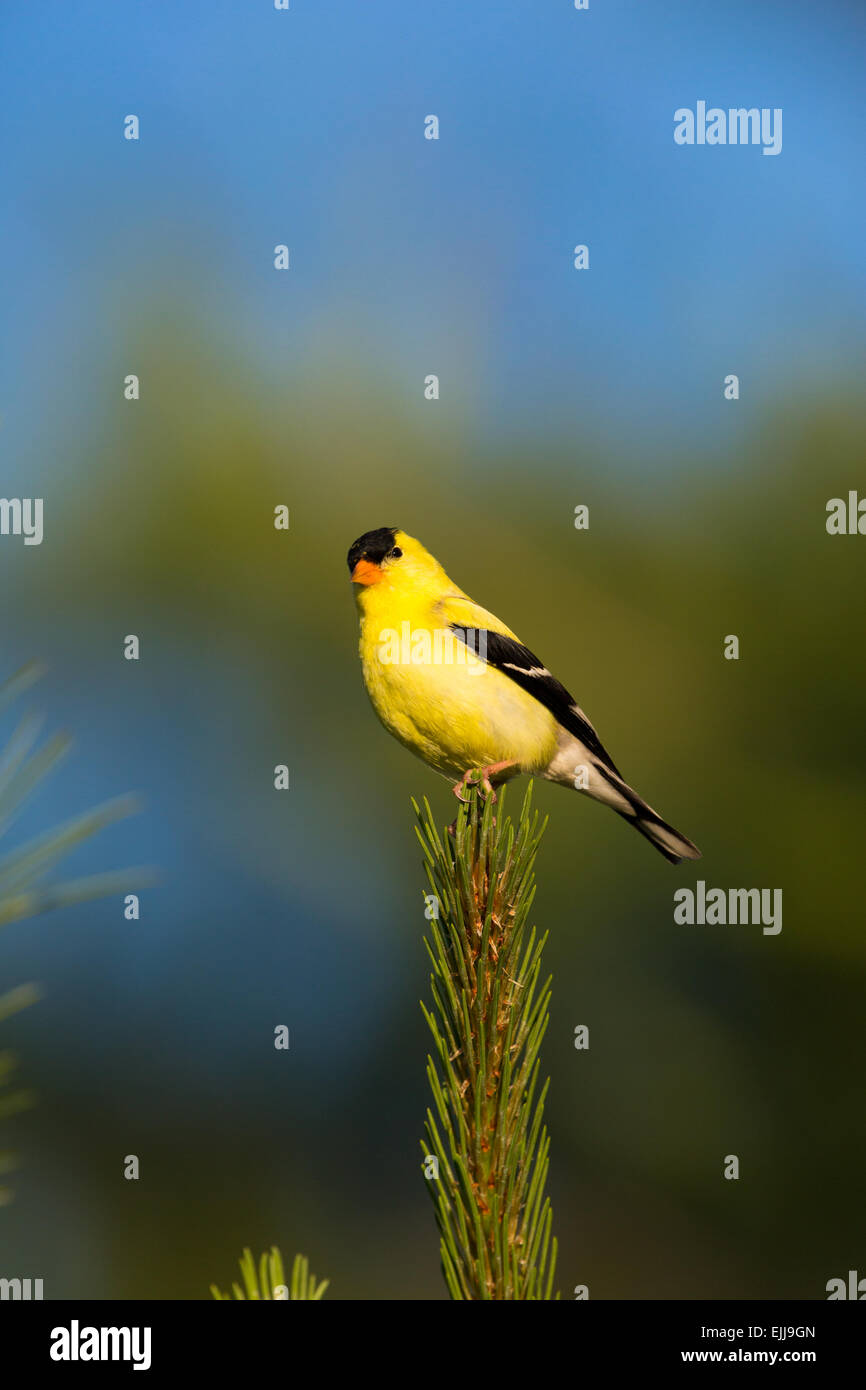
x,y
24,891
268,1281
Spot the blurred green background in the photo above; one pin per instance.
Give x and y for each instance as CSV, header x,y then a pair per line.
x,y
306,908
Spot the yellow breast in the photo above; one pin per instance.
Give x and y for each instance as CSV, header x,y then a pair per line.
x,y
442,702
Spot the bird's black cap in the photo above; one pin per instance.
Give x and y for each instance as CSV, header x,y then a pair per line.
x,y
373,545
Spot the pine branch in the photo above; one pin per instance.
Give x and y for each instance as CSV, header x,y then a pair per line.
x,y
486,1153
24,891
269,1281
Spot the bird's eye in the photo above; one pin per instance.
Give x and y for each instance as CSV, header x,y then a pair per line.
x,y
396,553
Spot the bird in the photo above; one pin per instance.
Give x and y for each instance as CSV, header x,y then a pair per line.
x,y
459,689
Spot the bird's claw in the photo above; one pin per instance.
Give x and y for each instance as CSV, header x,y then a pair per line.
x,y
467,780
482,780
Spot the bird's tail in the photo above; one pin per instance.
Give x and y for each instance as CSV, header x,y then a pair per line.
x,y
669,842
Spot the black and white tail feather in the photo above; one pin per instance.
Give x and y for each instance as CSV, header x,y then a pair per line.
x,y
669,842
579,744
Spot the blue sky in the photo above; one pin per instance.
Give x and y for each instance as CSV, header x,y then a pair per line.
x,y
556,127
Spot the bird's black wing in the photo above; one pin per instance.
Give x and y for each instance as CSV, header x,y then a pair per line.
x,y
520,665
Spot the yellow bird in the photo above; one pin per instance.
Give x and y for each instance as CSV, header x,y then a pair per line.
x,y
459,689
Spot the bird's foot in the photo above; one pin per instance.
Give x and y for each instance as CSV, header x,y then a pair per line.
x,y
475,777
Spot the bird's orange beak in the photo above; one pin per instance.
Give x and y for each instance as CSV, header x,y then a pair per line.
x,y
365,572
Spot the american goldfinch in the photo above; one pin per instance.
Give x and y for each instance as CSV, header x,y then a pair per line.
x,y
452,683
